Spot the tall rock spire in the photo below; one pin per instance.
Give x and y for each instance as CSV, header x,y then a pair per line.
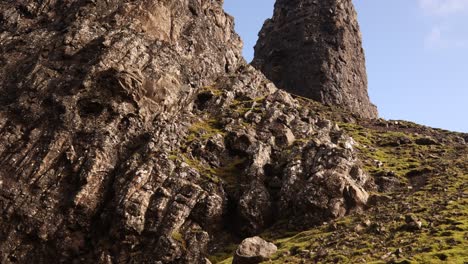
x,y
314,49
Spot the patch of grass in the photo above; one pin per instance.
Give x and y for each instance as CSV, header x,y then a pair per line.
x,y
204,130
225,255
243,106
177,236
215,91
232,169
227,174
204,170
173,157
398,159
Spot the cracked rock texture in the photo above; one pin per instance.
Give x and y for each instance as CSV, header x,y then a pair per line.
x,y
134,132
313,48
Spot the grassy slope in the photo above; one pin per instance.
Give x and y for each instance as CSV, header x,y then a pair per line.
x,y
430,183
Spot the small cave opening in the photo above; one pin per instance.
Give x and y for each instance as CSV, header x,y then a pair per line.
x,y
202,100
90,107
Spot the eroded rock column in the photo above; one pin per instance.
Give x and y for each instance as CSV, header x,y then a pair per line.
x,y
314,49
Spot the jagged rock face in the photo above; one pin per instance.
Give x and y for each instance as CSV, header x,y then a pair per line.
x,y
314,49
290,163
133,131
89,92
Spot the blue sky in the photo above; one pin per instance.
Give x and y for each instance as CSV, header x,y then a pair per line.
x,y
416,51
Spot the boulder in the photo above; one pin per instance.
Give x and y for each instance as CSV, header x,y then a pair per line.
x,y
254,250
426,141
413,223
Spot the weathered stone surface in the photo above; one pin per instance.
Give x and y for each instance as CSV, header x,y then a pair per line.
x,y
314,49
89,89
133,131
313,178
254,250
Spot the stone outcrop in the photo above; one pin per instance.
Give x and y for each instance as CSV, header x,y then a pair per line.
x,y
134,132
314,49
89,93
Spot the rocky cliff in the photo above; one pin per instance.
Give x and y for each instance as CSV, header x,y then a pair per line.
x,y
134,132
314,49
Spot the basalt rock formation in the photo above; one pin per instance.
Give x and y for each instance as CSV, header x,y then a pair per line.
x,y
134,132
314,49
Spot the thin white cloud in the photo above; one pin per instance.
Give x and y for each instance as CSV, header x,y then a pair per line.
x,y
444,38
434,39
448,13
443,7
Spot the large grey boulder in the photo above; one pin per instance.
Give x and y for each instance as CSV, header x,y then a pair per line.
x,y
254,250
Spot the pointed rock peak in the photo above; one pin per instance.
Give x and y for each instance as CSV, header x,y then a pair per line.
x,y
314,49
